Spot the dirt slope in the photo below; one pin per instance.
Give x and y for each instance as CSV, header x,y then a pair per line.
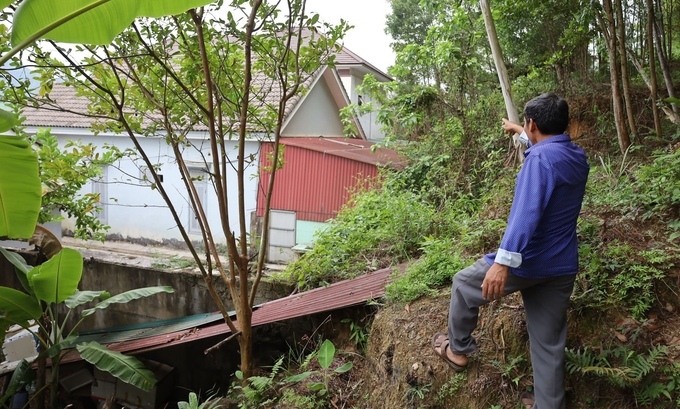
x,y
402,371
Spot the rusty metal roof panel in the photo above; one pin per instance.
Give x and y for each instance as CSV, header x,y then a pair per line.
x,y
148,329
349,148
338,295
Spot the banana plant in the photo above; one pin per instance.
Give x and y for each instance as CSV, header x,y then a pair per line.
x,y
56,281
51,284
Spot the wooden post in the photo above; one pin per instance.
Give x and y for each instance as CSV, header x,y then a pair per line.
x,y
502,73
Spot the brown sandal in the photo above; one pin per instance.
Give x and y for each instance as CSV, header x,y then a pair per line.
x,y
528,399
439,344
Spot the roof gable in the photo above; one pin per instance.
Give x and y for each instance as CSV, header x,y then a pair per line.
x,y
318,111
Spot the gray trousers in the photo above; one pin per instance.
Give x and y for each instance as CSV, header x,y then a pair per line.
x,y
545,303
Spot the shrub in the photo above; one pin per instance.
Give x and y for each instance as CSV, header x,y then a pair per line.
x,y
377,228
658,185
619,275
437,266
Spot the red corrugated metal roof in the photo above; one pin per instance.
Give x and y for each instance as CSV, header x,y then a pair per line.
x,y
335,296
319,174
349,148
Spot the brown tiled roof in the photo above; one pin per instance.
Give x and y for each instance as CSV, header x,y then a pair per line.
x,y
347,57
52,114
69,110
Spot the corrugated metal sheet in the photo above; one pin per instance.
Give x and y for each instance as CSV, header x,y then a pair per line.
x,y
149,329
339,295
318,175
355,149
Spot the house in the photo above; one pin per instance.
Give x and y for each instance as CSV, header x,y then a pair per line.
x,y
312,133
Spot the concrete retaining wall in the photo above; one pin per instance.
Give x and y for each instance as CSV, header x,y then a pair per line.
x,y
191,294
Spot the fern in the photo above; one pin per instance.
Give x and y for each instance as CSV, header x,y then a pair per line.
x,y
276,368
635,371
577,360
621,377
650,393
633,367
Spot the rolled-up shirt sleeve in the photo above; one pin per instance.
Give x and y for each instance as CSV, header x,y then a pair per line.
x,y
534,186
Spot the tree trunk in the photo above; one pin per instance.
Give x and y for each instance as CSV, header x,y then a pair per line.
x,y
643,74
670,31
666,70
245,342
502,73
625,78
609,32
240,261
652,67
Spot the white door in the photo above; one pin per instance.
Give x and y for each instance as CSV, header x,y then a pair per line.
x,y
281,236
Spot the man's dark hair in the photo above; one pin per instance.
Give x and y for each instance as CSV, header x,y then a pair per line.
x,y
549,112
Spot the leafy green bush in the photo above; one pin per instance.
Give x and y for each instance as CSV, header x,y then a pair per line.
x,y
376,229
193,403
609,193
437,266
325,357
618,275
260,390
276,388
658,185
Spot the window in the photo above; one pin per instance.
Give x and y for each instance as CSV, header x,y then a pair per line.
x,y
145,176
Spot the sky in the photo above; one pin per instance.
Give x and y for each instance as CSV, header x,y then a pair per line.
x,y
367,39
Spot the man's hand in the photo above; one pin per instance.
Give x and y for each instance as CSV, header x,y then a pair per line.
x,y
493,287
511,128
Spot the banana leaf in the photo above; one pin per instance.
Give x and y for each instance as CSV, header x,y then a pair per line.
x,y
126,368
57,279
16,260
4,326
20,188
46,241
83,297
68,342
18,307
22,268
128,296
326,354
87,21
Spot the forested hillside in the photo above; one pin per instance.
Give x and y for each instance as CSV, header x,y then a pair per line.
x,y
616,63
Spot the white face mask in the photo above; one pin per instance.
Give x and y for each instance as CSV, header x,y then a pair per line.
x,y
524,139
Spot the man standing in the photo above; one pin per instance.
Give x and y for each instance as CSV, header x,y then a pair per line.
x,y
538,255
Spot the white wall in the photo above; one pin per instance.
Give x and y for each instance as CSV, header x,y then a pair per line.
x,y
138,212
318,115
369,122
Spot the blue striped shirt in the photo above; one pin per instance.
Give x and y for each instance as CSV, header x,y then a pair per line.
x,y
540,240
